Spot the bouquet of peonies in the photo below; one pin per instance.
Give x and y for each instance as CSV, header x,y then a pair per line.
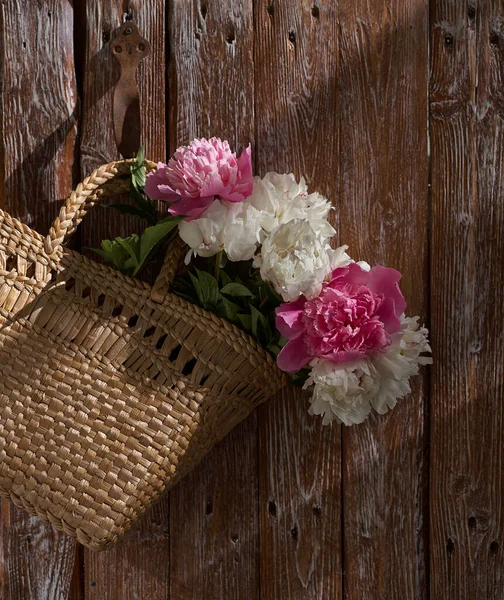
x,y
259,255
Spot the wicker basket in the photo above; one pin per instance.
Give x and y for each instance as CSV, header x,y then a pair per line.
x,y
111,390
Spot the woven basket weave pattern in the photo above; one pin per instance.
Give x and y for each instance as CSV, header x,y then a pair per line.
x,y
111,390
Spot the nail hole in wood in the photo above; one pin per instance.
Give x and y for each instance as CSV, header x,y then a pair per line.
x,y
292,37
315,11
295,533
49,14
234,538
93,584
471,521
272,508
448,41
208,508
471,13
494,547
494,38
230,38
450,546
24,44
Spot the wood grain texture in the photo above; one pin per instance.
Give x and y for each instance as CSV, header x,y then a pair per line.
x,y
296,66
467,414
213,517
384,220
38,103
101,73
137,568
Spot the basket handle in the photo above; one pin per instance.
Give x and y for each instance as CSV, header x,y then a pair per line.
x,y
106,181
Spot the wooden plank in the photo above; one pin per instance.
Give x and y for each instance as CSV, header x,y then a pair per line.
x,y
296,63
213,518
38,101
467,409
138,567
384,220
100,74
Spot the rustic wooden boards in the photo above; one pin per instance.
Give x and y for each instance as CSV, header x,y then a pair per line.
x,y
467,402
300,461
139,567
214,529
37,149
383,216
408,505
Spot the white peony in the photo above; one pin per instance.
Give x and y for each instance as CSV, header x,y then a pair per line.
x,y
400,362
230,226
346,392
342,392
295,260
240,234
203,235
281,199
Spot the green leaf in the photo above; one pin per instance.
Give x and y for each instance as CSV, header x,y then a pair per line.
x,y
197,287
236,289
228,310
119,252
246,321
132,246
152,236
138,177
138,174
209,289
224,278
140,157
261,329
134,211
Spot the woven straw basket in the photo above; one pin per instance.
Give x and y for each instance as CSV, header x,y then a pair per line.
x,y
111,390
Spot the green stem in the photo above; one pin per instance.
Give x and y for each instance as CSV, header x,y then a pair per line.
x,y
218,261
264,301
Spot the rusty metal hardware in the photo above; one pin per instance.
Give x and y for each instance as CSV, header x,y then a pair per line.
x,y
129,47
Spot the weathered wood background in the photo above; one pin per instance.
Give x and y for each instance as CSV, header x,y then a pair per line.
x,y
395,110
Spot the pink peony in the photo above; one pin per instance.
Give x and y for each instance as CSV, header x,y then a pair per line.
x,y
353,317
199,172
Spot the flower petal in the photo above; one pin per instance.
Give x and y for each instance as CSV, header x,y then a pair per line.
x,y
293,356
383,280
288,318
191,207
